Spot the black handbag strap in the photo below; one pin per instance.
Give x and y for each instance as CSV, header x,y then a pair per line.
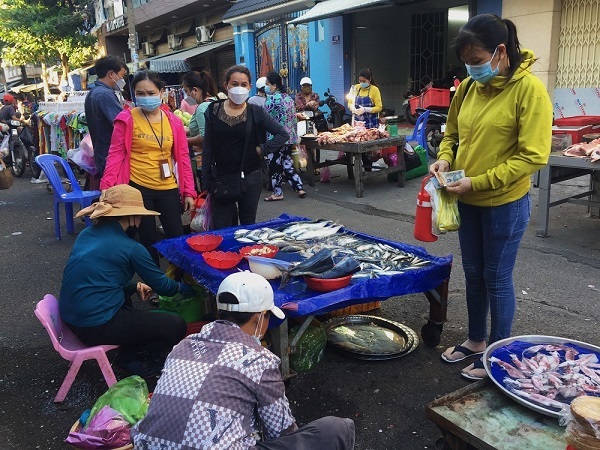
x,y
247,137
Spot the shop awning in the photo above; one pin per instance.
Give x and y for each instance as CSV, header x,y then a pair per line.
x,y
332,8
176,62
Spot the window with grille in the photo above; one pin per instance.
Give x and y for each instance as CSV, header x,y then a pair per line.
x,y
579,45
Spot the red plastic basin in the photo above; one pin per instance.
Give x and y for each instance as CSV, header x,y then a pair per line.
x,y
327,284
204,242
264,250
222,260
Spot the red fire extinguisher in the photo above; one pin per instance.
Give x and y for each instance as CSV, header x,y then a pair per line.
x,y
422,230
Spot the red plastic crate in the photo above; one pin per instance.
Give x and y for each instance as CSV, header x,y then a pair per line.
x,y
575,132
431,98
577,121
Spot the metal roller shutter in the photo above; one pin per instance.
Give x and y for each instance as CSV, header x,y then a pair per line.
x,y
225,58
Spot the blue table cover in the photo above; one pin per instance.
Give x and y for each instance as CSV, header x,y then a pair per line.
x,y
296,298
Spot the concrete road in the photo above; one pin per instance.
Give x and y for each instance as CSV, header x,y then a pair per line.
x,y
556,279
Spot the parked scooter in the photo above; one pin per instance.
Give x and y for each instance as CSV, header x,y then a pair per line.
x,y
337,116
18,153
434,130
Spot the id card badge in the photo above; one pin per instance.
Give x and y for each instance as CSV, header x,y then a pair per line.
x,y
165,170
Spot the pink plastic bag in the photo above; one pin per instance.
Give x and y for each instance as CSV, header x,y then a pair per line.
x,y
86,145
107,429
325,174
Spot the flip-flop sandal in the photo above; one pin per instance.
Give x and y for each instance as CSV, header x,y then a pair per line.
x,y
270,198
477,365
302,195
464,350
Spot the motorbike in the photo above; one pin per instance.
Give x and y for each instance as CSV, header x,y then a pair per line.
x,y
337,116
411,109
434,130
19,153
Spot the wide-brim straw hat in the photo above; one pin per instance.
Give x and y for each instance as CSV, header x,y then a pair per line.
x,y
119,200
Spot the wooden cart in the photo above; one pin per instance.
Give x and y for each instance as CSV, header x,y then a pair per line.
x,y
355,168
480,416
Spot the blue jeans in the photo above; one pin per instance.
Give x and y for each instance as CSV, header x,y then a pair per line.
x,y
489,240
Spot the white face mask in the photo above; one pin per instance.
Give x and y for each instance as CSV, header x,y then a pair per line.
x,y
120,83
256,336
238,94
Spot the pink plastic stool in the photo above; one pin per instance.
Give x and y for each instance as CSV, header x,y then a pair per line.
x,y
69,347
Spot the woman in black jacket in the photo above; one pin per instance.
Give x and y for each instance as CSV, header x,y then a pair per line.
x,y
224,140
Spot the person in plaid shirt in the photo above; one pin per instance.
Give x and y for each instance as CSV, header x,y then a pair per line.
x,y
220,389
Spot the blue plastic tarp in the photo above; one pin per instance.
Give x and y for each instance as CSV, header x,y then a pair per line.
x,y
295,297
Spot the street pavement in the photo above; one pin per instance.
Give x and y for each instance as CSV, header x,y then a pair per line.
x,y
557,281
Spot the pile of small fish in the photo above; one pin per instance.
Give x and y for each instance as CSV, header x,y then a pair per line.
x,y
310,237
551,375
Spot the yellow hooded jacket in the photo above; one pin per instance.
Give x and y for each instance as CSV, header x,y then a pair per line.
x,y
505,131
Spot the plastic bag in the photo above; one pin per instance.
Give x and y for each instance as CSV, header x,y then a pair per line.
x,y
83,160
444,210
5,142
129,397
190,308
86,145
325,174
107,429
310,348
201,217
302,157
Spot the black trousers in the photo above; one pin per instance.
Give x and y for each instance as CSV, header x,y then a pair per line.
x,y
168,204
227,214
135,331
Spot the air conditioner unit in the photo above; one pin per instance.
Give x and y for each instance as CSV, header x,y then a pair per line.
x,y
203,34
148,48
174,41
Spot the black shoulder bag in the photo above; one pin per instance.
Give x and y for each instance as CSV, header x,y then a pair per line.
x,y
469,83
231,187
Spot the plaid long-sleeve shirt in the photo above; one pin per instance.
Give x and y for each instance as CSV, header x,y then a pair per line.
x,y
217,388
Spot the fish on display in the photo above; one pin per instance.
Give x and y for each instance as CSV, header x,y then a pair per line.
x,y
320,262
551,375
308,238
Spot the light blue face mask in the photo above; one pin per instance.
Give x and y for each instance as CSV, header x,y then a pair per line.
x,y
365,85
483,72
149,103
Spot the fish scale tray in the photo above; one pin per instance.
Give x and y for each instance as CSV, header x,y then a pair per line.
x,y
295,298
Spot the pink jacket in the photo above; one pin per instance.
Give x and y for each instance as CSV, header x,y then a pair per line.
x,y
117,170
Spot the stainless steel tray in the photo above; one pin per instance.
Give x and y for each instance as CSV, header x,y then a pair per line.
x,y
496,348
411,340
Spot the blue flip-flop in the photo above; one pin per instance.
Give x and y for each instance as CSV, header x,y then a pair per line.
x,y
476,365
464,350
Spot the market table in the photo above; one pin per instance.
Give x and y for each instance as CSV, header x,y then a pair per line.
x,y
299,301
355,168
560,168
481,416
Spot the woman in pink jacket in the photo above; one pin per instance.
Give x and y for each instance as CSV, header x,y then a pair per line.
x,y
149,151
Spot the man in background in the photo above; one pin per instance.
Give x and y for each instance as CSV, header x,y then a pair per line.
x,y
101,108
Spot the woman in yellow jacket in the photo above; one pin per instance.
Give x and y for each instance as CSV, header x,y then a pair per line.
x,y
503,121
365,106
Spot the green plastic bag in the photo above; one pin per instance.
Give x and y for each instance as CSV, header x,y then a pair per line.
x,y
128,396
310,348
191,309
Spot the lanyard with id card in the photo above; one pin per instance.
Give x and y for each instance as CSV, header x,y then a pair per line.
x,y
163,164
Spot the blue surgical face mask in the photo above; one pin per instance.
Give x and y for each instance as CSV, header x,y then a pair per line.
x,y
483,72
149,103
365,85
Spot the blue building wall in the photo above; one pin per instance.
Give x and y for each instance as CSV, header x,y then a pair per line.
x,y
245,55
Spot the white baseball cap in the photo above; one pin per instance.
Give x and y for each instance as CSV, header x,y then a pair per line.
x,y
261,83
305,80
253,292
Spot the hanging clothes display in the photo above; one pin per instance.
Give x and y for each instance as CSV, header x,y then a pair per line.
x,y
173,96
61,126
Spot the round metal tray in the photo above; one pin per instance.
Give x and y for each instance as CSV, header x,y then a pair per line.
x,y
497,349
411,340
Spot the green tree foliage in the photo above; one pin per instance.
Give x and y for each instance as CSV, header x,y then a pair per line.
x,y
44,32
